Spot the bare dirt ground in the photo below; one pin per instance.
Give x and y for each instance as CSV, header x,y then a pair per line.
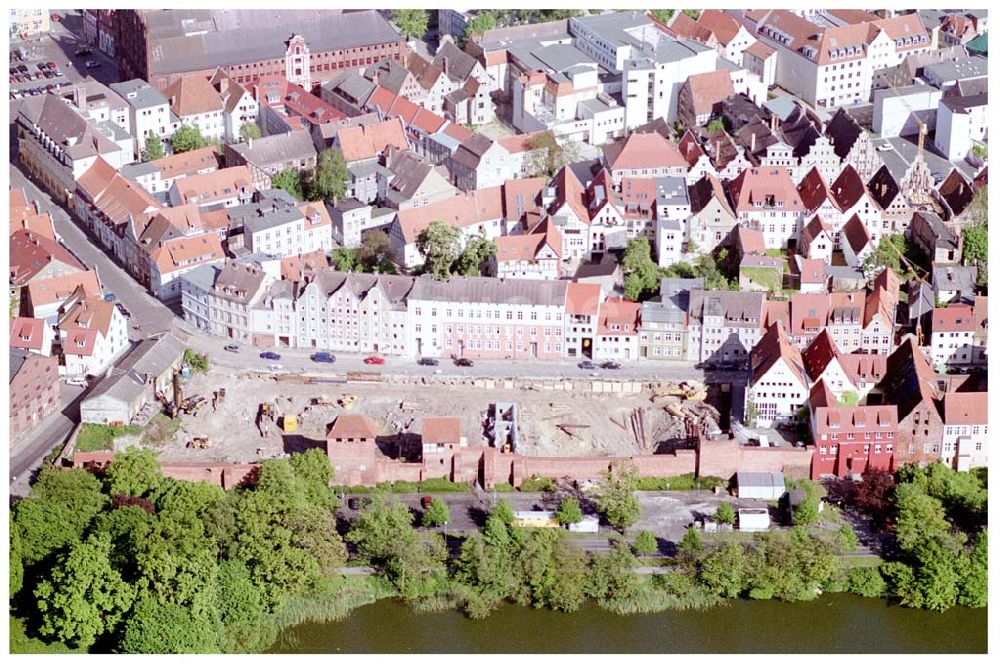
x,y
550,423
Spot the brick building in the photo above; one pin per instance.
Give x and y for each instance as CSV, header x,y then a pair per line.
x,y
34,390
305,46
851,440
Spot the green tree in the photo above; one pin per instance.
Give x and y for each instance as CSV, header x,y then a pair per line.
x,y
16,566
187,137
439,244
847,539
328,179
411,22
345,259
807,512
616,497
919,517
239,600
477,251
690,547
641,274
134,473
663,15
481,22
83,597
725,514
153,149
974,574
975,244
437,514
154,627
197,362
645,543
383,532
249,130
716,125
612,576
692,13
374,251
548,155
569,511
503,512
59,509
866,582
724,570
290,181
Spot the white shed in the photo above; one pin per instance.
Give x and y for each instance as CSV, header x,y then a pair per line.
x,y
760,485
753,520
587,524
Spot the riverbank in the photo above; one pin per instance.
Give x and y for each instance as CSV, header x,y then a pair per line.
x,y
834,623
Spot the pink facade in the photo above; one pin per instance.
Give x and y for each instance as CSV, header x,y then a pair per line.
x,y
503,340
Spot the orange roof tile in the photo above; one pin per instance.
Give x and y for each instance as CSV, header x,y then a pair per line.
x,y
58,289
441,430
643,150
583,299
193,94
351,426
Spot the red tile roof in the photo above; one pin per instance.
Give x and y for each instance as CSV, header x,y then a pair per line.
x,y
813,230
30,254
690,148
812,271
351,426
957,317
764,185
722,25
366,142
855,420
751,241
583,299
772,348
58,289
214,186
617,311
193,94
525,247
643,151
970,408
813,190
27,216
709,89
441,430
856,234
27,333
760,50
819,354
863,368
848,188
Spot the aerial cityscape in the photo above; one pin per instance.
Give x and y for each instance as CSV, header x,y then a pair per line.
x,y
375,331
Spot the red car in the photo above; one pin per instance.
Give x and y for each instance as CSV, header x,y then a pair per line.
x,y
54,17
374,360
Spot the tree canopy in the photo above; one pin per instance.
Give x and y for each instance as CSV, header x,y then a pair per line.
x,y
616,496
439,243
328,179
249,130
289,180
412,22
152,149
187,137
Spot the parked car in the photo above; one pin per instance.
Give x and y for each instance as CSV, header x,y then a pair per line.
x,y
54,17
425,501
586,365
91,64
374,360
270,356
22,68
52,66
76,381
322,357
427,361
110,297
464,362
611,365
232,348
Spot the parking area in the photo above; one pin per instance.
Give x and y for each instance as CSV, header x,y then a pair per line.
x,y
56,60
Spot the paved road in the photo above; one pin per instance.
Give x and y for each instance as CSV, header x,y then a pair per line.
x,y
26,454
152,315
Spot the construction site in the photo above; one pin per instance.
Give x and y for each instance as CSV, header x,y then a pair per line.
x,y
249,417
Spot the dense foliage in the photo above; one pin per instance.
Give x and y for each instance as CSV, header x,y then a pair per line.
x,y
187,137
440,243
136,562
411,22
153,148
328,179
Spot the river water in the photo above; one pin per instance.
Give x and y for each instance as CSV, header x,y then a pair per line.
x,y
841,623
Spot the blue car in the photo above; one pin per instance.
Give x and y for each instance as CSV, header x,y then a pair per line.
x,y
323,357
270,356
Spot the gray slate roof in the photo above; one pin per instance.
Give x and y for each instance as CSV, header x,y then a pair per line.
x,y
127,379
490,290
952,70
139,94
278,148
188,40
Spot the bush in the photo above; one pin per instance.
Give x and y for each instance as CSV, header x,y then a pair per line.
x,y
725,514
197,362
569,511
100,437
538,484
866,582
682,482
645,543
503,487
847,539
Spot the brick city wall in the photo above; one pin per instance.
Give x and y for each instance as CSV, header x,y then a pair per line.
x,y
224,475
726,457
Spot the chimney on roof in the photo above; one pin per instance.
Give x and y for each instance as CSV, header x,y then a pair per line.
x,y
250,143
753,143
